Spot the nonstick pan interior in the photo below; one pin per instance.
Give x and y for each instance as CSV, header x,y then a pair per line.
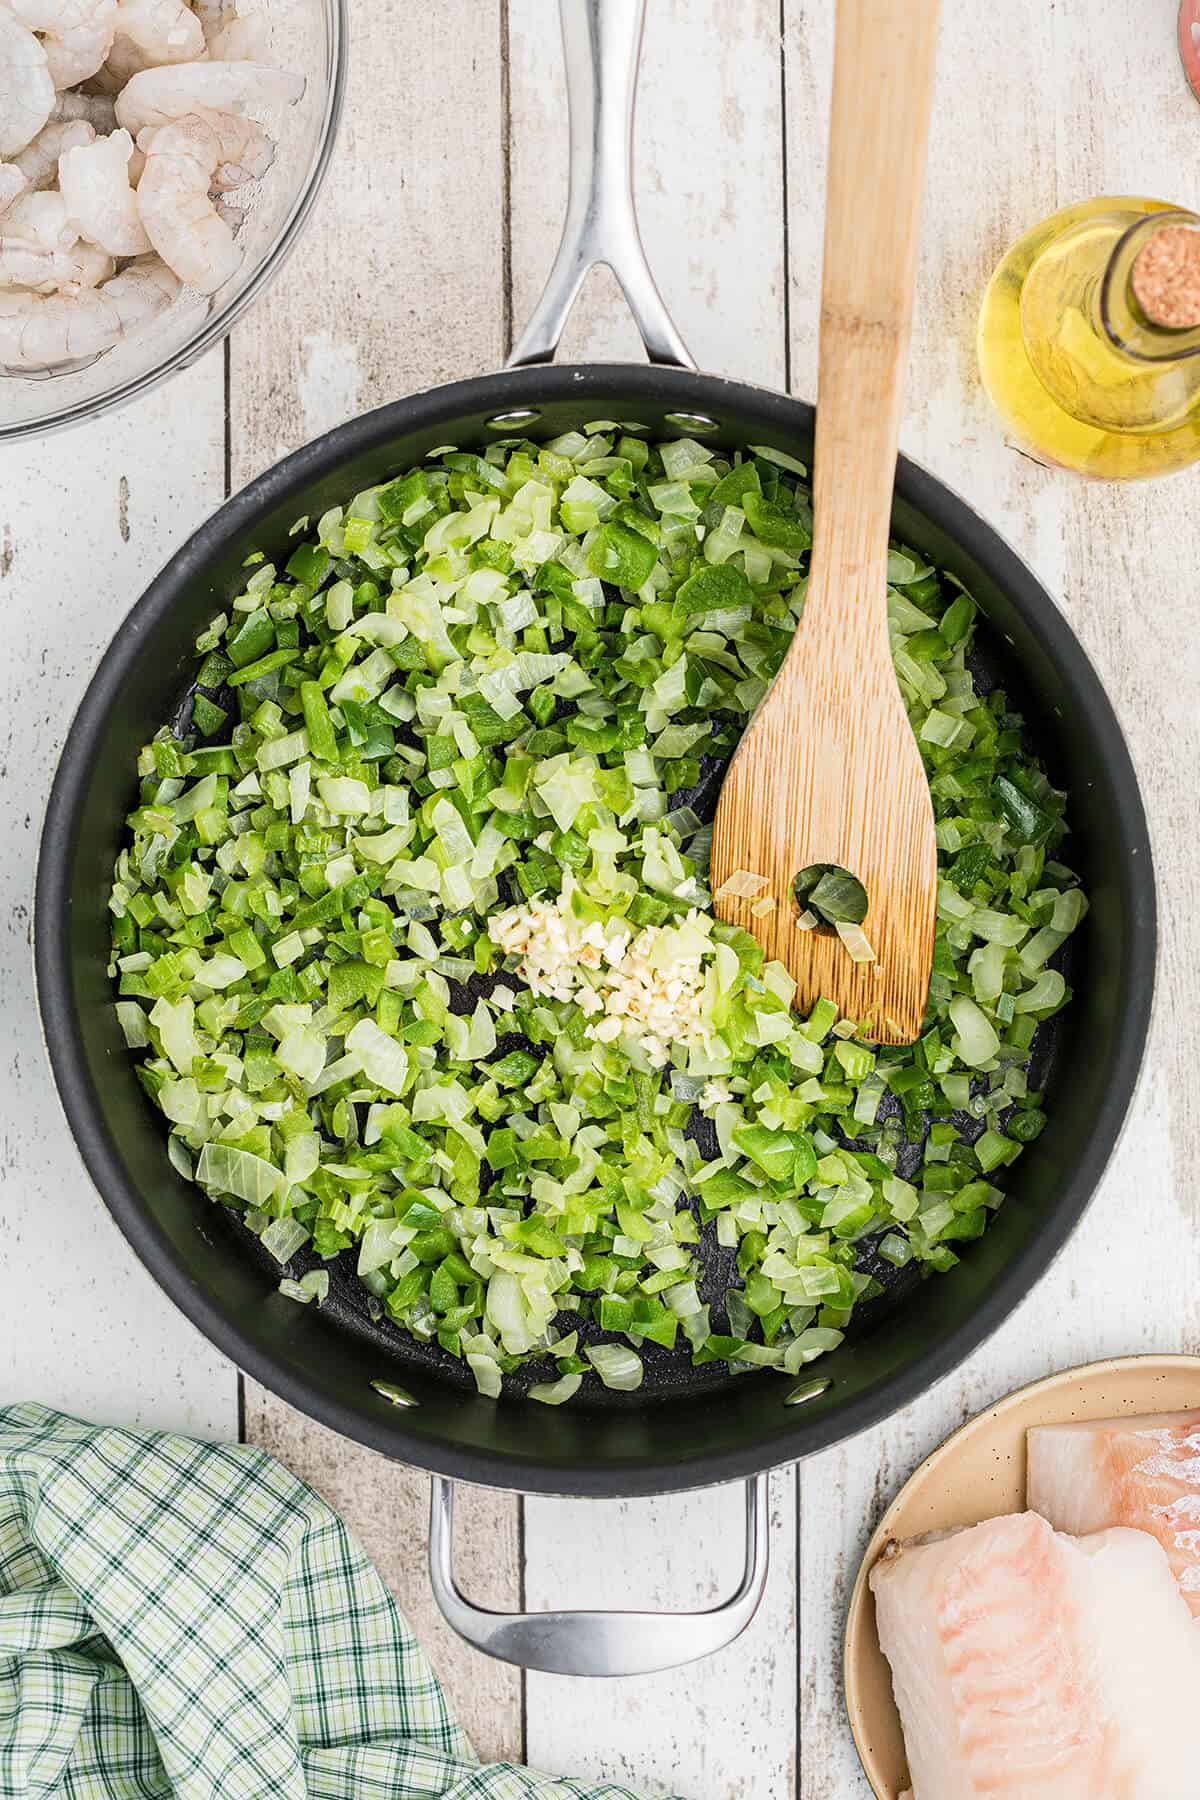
x,y
685,1426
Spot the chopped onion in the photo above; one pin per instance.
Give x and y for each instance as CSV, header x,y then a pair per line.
x,y
858,945
975,1040
380,1057
553,1393
741,885
617,1366
238,1172
486,1371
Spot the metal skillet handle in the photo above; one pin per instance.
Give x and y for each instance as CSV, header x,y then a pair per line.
x,y
598,1643
602,41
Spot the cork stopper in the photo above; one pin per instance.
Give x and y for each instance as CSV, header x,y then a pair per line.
x,y
1166,277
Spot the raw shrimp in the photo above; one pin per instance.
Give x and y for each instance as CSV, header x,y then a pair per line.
x,y
96,109
214,15
12,185
231,32
241,40
95,265
173,198
77,35
38,162
246,152
157,96
45,333
142,290
26,88
26,265
38,333
41,220
123,62
94,182
151,33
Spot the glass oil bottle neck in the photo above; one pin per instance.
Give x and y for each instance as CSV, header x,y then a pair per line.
x,y
1121,317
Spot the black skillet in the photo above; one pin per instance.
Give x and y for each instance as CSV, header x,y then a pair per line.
x,y
685,1428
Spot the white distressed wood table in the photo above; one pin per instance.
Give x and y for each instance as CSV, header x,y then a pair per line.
x,y
430,241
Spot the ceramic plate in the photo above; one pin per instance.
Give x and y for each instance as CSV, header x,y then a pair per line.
x,y
975,1474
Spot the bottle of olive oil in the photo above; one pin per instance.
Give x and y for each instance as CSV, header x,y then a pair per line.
x,y
1089,339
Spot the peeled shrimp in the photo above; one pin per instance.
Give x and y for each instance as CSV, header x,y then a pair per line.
x,y
96,109
173,198
12,185
140,166
26,87
94,182
232,33
241,40
94,264
45,333
41,219
38,162
77,35
26,265
214,16
145,288
157,96
245,150
151,33
122,63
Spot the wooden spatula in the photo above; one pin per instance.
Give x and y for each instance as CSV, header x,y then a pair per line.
x,y
828,770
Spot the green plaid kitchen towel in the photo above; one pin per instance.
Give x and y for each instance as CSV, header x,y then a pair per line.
x,y
188,1620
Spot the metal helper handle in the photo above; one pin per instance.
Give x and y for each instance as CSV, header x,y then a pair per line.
x,y
602,41
598,1643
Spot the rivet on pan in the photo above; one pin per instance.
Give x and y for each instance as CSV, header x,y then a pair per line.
x,y
808,1390
524,415
691,421
397,1395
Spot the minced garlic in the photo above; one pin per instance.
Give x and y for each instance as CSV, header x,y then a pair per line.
x,y
628,983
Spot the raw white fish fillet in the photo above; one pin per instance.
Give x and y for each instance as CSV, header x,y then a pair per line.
x,y
1141,1472
1028,1665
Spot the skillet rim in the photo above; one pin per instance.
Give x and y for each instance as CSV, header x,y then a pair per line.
x,y
676,390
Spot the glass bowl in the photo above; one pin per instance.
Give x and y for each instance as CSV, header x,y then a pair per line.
x,y
306,37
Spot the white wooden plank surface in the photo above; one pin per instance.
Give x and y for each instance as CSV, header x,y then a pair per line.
x,y
399,283
396,287
85,519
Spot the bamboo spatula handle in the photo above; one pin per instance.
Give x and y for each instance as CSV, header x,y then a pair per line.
x,y
828,771
882,89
